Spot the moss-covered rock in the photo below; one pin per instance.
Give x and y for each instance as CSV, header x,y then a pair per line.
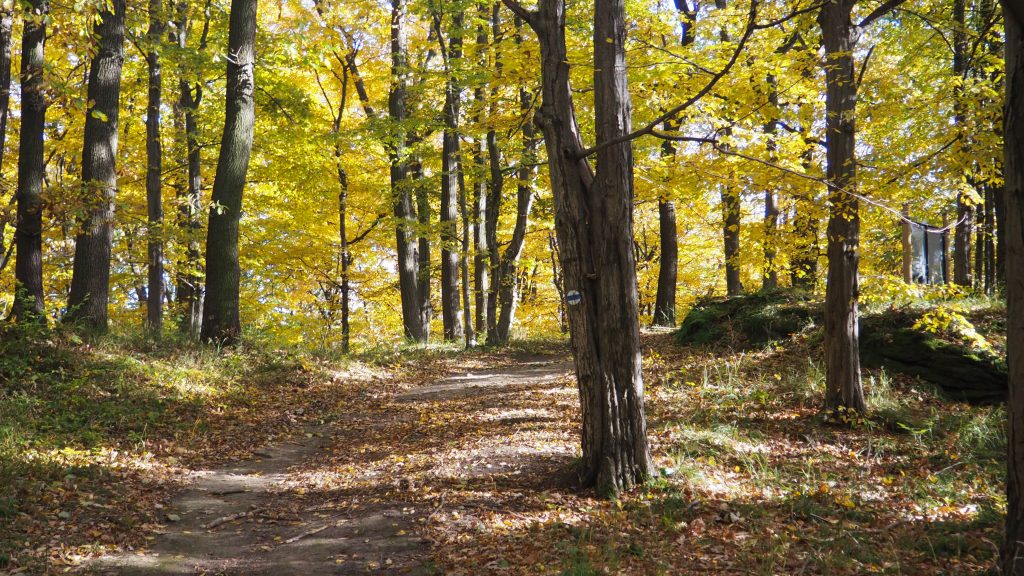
x,y
750,320
889,340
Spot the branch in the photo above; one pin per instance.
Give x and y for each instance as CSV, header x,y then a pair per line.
x,y
877,13
366,232
531,17
653,125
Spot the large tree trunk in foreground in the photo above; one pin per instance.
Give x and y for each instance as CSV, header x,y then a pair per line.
x,y
1013,173
401,187
842,356
90,280
593,219
221,322
154,170
28,236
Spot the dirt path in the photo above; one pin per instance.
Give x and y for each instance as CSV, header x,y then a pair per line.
x,y
325,502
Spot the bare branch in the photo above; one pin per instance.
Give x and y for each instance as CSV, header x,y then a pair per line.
x,y
672,113
879,12
528,16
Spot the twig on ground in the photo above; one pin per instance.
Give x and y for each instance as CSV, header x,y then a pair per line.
x,y
230,517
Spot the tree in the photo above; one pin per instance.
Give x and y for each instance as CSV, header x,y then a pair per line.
x,y
405,214
593,220
90,282
154,171
189,289
450,169
221,320
1013,173
28,239
843,387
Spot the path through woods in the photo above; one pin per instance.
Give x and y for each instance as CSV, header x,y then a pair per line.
x,y
369,490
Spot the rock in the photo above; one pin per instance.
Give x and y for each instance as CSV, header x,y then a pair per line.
x,y
172,517
64,515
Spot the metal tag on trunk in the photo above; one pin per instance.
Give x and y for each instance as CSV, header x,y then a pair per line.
x,y
573,297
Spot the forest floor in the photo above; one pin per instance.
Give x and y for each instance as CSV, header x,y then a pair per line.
x,y
141,459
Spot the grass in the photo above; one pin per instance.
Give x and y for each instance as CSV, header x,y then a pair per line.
x,y
751,477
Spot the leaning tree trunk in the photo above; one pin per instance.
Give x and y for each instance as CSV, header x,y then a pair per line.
x,y
221,322
506,273
1013,176
28,236
401,187
154,170
90,280
842,356
594,222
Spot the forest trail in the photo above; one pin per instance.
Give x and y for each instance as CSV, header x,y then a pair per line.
x,y
351,496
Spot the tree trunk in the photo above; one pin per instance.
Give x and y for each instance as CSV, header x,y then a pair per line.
x,y
480,253
804,268
1013,174
770,274
467,305
190,272
450,314
90,280
493,212
189,276
154,170
668,264
964,208
505,276
593,219
731,239
221,322
843,387
28,236
423,265
6,25
401,187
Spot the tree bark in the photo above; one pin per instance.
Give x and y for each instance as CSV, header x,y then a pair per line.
x,y
964,208
451,315
505,275
90,280
28,236
401,187
154,170
221,321
731,239
6,26
423,264
1013,174
843,387
593,219
668,264
770,273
